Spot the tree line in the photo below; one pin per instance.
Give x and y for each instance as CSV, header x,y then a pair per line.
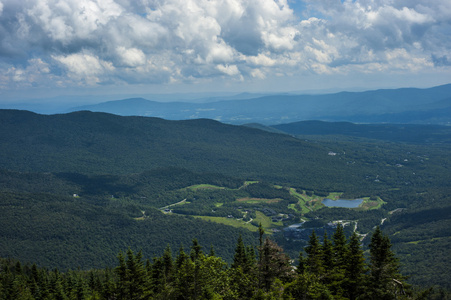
x,y
333,269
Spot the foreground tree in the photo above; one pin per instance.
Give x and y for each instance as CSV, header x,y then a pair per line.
x,y
306,286
315,258
354,269
200,276
384,281
275,264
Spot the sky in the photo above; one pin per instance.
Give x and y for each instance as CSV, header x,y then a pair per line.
x,y
53,48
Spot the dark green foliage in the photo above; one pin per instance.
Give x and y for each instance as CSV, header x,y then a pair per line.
x,y
306,286
121,167
315,264
275,264
412,133
198,276
354,269
68,232
384,278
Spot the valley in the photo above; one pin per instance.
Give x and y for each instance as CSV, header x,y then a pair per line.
x,y
212,181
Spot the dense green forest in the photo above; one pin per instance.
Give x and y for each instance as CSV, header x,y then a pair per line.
x,y
406,133
76,189
333,269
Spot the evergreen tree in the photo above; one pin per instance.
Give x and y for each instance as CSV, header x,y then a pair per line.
x,y
108,285
168,263
212,251
328,254
157,277
385,282
314,255
301,268
354,268
184,281
181,257
250,259
196,250
306,286
340,252
275,264
122,274
239,260
340,248
136,275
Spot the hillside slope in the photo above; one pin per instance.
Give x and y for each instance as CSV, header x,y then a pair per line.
x,y
409,133
101,143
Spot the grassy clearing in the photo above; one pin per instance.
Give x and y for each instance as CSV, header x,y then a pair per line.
x,y
264,220
261,218
229,221
258,200
431,240
205,187
368,204
250,182
302,200
309,203
334,195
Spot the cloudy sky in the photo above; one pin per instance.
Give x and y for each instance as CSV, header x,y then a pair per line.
x,y
63,47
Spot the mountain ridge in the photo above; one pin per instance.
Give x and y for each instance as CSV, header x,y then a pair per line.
x,y
377,106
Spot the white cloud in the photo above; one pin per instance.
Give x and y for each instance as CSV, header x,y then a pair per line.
x,y
84,67
155,41
231,70
131,57
261,60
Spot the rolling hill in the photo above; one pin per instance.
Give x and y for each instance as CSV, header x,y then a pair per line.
x,y
407,105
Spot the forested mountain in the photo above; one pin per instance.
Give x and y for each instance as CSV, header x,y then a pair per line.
x,y
407,105
77,188
409,133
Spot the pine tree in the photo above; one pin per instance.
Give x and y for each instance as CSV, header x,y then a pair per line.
x,y
181,257
275,264
340,251
212,251
184,277
136,275
340,247
196,250
385,282
354,268
328,254
168,263
239,260
314,255
121,272
301,268
157,277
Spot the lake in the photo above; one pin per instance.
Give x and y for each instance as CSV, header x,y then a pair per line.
x,y
342,203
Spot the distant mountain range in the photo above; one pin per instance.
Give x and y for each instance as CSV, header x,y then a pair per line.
x,y
406,105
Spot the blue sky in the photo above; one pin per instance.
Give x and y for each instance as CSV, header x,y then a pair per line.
x,y
51,48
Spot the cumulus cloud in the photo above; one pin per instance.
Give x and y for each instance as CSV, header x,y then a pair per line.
x,y
90,42
85,67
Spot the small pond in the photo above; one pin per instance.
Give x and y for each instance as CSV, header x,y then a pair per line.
x,y
342,203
